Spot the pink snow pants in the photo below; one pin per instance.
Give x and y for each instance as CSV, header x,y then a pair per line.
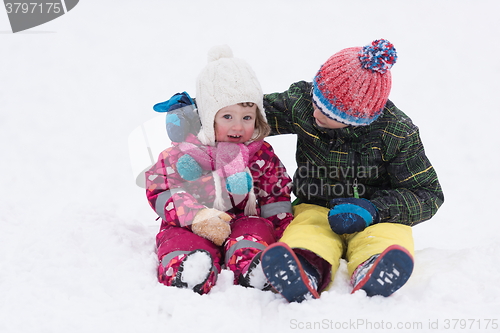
x,y
249,235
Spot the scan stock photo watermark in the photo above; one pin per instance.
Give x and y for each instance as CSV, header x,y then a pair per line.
x,y
362,325
24,15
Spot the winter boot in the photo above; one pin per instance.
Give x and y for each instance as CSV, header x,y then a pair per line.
x,y
253,276
243,257
293,277
193,270
383,273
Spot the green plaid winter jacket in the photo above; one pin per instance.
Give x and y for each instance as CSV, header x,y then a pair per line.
x,y
385,159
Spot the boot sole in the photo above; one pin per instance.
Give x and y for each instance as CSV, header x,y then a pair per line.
x,y
292,284
389,272
177,282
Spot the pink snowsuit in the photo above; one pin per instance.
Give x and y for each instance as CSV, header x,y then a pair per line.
x,y
177,200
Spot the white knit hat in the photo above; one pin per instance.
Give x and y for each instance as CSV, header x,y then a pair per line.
x,y
223,82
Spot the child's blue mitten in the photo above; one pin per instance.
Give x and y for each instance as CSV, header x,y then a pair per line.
x,y
350,215
182,118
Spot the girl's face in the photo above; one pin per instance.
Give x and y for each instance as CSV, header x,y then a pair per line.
x,y
235,123
324,121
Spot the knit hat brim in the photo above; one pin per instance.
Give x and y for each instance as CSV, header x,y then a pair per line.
x,y
335,113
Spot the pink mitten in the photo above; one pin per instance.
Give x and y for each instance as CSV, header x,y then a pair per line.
x,y
212,224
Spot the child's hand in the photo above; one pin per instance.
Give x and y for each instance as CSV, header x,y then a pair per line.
x,y
212,224
350,215
182,117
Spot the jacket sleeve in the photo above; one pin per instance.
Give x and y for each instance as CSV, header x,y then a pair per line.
x,y
415,193
274,188
280,107
165,192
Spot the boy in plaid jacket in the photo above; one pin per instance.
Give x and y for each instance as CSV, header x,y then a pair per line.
x,y
362,179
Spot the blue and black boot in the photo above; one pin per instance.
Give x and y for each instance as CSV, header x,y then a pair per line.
x,y
384,273
289,274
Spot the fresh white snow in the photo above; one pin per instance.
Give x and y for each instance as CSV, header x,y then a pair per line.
x,y
77,235
257,277
196,269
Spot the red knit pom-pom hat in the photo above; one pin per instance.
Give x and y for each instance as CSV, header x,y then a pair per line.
x,y
353,85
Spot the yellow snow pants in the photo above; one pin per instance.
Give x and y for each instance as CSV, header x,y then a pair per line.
x,y
311,231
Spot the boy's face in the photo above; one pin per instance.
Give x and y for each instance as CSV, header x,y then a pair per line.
x,y
324,121
235,123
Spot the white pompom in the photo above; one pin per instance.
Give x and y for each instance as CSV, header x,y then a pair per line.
x,y
219,51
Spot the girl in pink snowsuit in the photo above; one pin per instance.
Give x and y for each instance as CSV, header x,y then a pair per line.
x,y
223,195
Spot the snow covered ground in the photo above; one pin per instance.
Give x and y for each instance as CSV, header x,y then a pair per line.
x,y
77,235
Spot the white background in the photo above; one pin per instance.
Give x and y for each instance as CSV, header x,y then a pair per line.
x,y
77,235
